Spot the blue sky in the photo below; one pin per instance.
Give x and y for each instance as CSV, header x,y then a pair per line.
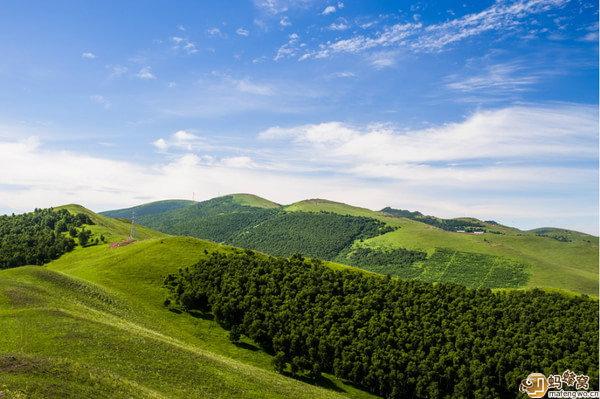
x,y
486,109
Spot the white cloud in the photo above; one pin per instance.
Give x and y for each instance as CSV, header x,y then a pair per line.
x,y
184,44
285,21
497,164
590,37
116,70
344,75
289,49
180,140
340,5
101,100
520,149
495,78
242,32
502,15
181,28
161,144
246,86
89,55
274,7
383,59
339,26
145,73
214,32
328,10
238,162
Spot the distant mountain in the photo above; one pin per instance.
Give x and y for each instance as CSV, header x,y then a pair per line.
x,y
405,244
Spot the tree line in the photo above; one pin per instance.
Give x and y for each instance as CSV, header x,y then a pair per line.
x,y
38,237
395,338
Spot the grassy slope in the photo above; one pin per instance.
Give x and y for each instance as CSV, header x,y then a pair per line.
x,y
569,266
93,323
112,229
318,205
253,200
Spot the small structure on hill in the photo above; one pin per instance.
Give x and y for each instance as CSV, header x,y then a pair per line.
x,y
133,232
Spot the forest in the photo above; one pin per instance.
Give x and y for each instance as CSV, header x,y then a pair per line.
x,y
320,235
394,338
274,231
38,237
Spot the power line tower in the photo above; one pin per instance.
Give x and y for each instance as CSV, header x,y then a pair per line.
x,y
133,232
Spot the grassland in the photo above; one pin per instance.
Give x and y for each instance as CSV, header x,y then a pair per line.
x,y
570,266
93,324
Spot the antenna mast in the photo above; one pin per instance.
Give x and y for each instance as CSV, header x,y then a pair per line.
x,y
133,233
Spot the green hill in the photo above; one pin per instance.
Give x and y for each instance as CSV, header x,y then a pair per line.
x,y
93,324
464,250
149,209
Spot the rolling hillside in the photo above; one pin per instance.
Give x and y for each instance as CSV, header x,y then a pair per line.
x,y
465,250
96,323
93,324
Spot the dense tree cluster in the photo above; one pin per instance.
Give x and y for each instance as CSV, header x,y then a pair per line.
x,y
444,224
276,232
320,235
37,237
396,261
398,339
224,227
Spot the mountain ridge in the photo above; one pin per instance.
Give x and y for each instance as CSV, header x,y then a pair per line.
x,y
404,244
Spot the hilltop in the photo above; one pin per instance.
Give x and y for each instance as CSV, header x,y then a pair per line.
x,y
400,243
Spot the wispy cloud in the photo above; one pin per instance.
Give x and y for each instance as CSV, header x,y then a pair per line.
x,y
339,26
116,70
418,37
101,100
509,77
91,56
183,44
344,75
274,7
246,86
145,73
495,141
214,32
242,32
285,21
328,10
289,49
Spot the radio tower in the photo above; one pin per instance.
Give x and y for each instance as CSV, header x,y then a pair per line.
x,y
133,233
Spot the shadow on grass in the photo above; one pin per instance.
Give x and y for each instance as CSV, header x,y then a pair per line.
x,y
176,311
322,381
245,345
201,315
